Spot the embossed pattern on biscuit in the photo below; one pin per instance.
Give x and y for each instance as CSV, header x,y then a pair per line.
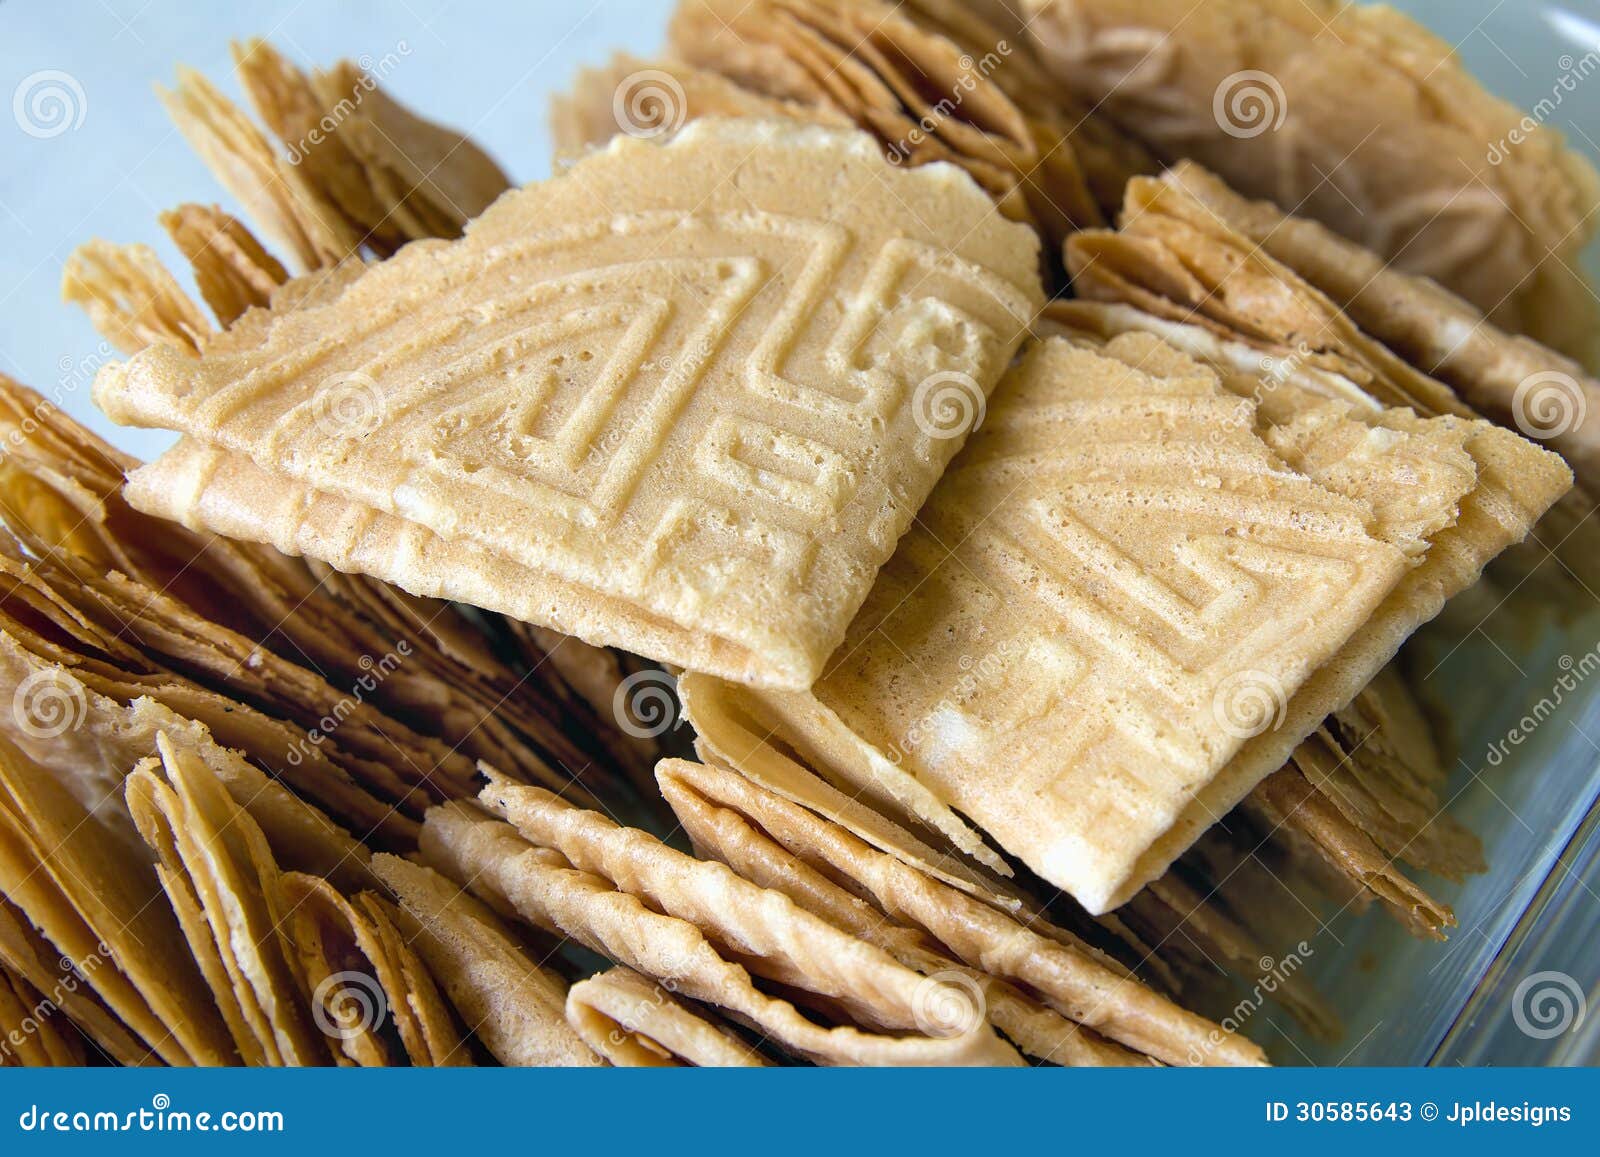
x,y
682,391
1114,586
1471,491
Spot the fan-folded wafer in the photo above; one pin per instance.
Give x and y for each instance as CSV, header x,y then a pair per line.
x,y
634,1022
1512,379
223,884
139,606
929,83
88,889
28,955
33,1033
699,926
943,931
505,997
363,976
1356,116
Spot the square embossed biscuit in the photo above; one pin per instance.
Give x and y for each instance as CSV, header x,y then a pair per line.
x,y
1114,588
683,399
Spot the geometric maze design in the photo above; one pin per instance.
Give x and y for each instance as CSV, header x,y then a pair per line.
x,y
650,379
1110,578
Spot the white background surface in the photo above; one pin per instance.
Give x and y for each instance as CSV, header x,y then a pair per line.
x,y
488,68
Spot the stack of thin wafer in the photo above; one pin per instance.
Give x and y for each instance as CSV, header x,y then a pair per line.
x,y
1034,650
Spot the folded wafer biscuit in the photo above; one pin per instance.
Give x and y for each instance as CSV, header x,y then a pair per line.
x,y
1372,790
357,169
1056,998
93,894
513,1004
931,83
302,973
651,98
392,176
130,296
1084,629
364,977
634,1022
231,269
133,607
223,884
697,437
1356,116
275,903
700,928
92,757
1512,379
33,1032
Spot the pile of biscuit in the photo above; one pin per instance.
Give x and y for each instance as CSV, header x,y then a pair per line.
x,y
892,556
